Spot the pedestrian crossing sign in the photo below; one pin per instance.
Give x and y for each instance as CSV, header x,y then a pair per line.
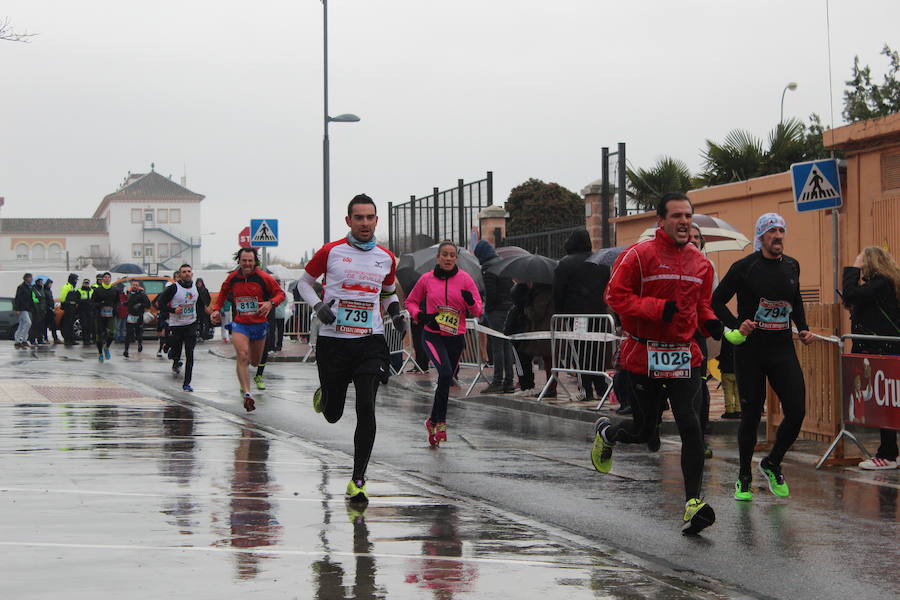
x,y
263,232
816,185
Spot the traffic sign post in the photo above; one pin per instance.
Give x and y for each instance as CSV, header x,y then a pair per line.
x,y
244,238
264,232
817,186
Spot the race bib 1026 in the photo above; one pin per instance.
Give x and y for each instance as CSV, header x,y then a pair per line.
x,y
669,360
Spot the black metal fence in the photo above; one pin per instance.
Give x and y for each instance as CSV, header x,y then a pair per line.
x,y
546,243
444,214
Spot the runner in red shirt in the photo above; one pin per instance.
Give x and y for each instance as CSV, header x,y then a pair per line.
x,y
661,290
253,293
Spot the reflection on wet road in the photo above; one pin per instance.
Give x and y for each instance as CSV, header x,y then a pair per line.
x,y
141,497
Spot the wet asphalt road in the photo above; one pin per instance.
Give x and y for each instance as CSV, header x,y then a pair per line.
x,y
198,496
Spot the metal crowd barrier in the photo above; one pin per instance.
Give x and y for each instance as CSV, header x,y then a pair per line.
x,y
398,344
582,344
845,417
471,356
299,323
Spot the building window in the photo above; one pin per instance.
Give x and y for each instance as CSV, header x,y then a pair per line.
x,y
175,215
148,216
38,252
135,215
162,215
137,250
148,250
22,252
162,251
55,252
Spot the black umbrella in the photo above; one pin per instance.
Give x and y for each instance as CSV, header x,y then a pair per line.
x,y
412,266
129,268
532,267
606,256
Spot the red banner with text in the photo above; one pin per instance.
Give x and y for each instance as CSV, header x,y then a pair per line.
x,y
871,394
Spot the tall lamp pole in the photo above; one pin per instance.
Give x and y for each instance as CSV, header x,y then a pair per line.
x,y
345,118
791,86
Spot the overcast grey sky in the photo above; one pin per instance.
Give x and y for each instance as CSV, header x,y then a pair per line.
x,y
232,92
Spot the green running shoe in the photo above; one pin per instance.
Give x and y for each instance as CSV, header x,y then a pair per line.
x,y
356,491
601,451
773,474
698,515
742,490
317,400
260,384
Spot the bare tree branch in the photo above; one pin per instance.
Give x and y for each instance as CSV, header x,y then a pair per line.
x,y
8,34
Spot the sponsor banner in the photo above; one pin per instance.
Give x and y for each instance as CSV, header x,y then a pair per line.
x,y
871,394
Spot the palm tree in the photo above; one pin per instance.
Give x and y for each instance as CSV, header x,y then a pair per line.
x,y
741,155
648,185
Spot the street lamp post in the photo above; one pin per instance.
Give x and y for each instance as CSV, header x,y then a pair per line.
x,y
344,118
791,86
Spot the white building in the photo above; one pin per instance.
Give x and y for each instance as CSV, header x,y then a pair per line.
x,y
153,222
150,221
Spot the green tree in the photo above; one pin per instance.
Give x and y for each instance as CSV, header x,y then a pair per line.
x,y
647,186
538,206
866,100
742,155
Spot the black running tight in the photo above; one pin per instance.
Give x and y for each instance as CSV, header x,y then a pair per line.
x,y
647,397
778,363
334,395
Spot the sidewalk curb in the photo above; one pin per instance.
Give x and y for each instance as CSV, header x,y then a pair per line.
x,y
583,415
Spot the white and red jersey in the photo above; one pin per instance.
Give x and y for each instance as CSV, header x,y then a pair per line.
x,y
356,280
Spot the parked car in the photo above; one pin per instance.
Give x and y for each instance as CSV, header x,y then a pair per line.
x,y
9,320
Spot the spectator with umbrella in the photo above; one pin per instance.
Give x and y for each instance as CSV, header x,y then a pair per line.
x,y
496,307
450,295
578,288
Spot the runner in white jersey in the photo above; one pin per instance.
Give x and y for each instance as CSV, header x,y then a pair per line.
x,y
182,300
359,282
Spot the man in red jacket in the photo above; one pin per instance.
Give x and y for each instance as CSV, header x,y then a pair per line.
x,y
661,290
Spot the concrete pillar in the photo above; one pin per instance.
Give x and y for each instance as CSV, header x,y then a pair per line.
x,y
592,219
490,220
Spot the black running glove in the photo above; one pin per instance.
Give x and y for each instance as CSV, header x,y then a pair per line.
x,y
397,317
323,311
715,328
428,320
669,311
467,296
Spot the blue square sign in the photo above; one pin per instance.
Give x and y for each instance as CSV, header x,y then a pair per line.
x,y
263,232
816,185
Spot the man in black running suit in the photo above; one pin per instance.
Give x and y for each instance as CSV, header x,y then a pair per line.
x,y
767,284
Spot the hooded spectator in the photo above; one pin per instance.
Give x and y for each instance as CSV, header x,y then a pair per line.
x,y
497,303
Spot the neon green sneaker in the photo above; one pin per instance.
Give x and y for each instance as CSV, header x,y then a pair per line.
x,y
773,475
742,490
698,515
356,491
317,400
601,451
260,384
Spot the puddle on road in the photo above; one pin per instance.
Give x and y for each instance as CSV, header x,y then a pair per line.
x,y
111,495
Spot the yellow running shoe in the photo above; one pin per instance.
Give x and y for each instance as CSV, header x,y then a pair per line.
x,y
258,380
601,451
317,400
356,491
698,515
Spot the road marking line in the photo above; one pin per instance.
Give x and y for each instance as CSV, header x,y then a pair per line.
x,y
318,553
378,502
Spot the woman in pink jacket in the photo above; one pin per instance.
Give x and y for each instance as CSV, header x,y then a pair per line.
x,y
450,296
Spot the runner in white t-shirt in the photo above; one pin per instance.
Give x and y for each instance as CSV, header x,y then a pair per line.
x,y
359,282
